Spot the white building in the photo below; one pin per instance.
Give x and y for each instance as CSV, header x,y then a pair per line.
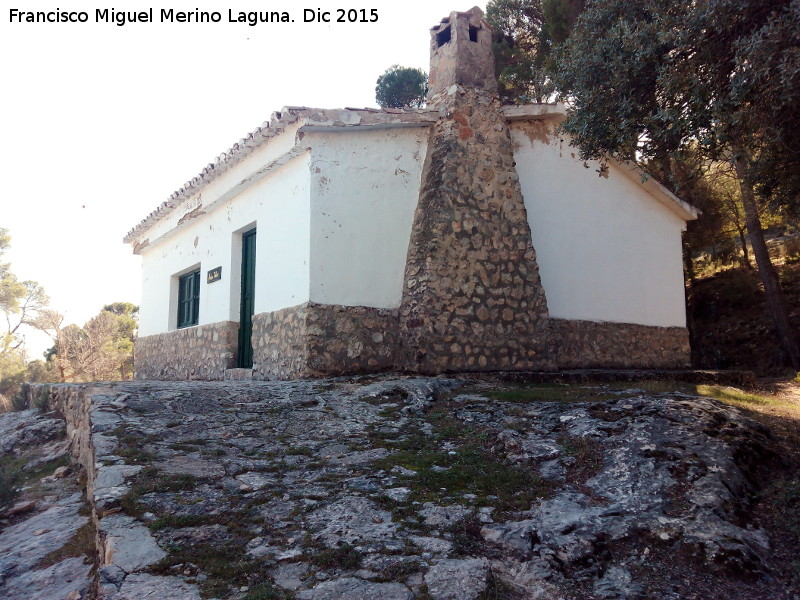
x,y
461,237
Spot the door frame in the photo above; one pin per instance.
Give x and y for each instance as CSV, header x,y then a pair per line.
x,y
244,355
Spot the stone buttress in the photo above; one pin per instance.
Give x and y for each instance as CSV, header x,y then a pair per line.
x,y
472,297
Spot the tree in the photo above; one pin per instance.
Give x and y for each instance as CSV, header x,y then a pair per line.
x,y
50,321
521,49
401,87
19,300
654,80
126,315
100,350
20,303
42,371
524,35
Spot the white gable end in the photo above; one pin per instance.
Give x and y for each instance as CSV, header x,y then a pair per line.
x,y
364,189
607,249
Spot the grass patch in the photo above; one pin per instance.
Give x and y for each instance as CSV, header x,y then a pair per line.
x,y
344,557
177,521
150,480
470,467
400,569
213,452
737,397
466,537
277,466
182,447
14,475
135,456
10,478
527,393
223,561
299,451
267,591
225,565
389,411
400,512
130,445
81,544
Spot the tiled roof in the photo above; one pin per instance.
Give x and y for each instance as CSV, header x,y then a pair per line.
x,y
352,117
288,115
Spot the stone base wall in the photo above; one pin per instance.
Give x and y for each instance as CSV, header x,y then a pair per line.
x,y
590,344
320,340
202,352
352,339
280,344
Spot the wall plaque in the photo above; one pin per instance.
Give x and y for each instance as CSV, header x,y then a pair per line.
x,y
214,274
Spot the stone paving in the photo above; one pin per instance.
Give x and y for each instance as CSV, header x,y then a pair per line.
x,y
390,487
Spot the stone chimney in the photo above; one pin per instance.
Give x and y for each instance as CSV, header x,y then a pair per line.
x,y
461,53
472,298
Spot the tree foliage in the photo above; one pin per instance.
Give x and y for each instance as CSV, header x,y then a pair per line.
x,y
524,35
401,87
655,78
20,303
126,316
101,350
521,49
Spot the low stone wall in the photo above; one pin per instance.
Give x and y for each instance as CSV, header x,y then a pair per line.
x,y
202,352
590,344
73,402
318,339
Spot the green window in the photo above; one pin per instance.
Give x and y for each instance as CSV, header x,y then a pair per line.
x,y
188,299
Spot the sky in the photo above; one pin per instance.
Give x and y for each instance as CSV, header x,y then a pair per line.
x,y
100,123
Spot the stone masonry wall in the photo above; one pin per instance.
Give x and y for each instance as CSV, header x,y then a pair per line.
x,y
319,340
472,298
589,344
280,344
352,339
202,352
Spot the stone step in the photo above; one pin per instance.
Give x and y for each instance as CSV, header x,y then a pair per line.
x,y
238,374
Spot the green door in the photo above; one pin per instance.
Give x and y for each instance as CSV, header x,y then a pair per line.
x,y
245,360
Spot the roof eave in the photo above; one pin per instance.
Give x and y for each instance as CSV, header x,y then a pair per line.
x,y
311,118
534,112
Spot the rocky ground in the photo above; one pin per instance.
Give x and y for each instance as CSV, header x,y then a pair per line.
x,y
389,488
46,539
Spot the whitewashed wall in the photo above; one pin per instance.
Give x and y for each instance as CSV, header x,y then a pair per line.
x,y
607,250
278,205
364,189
